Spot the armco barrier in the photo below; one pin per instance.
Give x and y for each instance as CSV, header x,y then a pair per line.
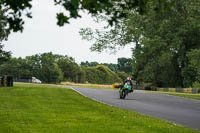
x,y
181,90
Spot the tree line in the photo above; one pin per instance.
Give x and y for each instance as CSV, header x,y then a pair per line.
x,y
54,68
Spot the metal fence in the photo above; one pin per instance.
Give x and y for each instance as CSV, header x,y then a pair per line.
x,y
23,80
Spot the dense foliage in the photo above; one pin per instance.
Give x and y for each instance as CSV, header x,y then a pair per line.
x,y
166,44
161,58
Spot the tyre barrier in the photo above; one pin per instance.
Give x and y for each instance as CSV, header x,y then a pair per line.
x,y
116,85
180,90
6,81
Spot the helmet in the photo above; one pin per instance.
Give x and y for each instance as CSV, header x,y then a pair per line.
x,y
128,78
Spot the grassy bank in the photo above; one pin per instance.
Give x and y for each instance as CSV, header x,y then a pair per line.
x,y
45,109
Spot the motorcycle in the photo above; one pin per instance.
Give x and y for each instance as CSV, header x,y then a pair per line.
x,y
124,90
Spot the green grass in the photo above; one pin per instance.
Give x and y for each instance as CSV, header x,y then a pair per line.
x,y
79,85
45,109
193,96
185,95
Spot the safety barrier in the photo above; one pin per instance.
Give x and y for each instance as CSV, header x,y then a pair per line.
x,y
181,90
6,81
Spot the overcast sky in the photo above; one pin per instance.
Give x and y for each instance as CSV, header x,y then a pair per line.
x,y
41,34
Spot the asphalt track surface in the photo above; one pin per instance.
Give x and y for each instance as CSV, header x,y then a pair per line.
x,y
182,111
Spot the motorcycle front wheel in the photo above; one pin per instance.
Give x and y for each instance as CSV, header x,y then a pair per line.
x,y
123,94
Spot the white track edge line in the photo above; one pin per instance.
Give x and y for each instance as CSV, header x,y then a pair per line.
x,y
90,97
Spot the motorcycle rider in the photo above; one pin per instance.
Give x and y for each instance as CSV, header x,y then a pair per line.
x,y
129,82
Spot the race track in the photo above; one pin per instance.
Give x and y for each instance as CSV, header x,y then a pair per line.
x,y
178,110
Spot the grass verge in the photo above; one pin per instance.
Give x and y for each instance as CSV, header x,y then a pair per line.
x,y
45,109
185,95
97,86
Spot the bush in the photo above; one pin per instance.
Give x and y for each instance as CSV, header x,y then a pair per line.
x,y
101,75
153,88
196,85
82,76
123,75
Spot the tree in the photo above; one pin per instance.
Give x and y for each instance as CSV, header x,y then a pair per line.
x,y
82,76
16,67
44,67
89,64
4,56
113,9
166,40
3,27
49,70
69,68
85,64
194,64
125,65
111,66
10,67
13,13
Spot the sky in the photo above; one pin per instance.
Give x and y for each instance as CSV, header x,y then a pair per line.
x,y
41,34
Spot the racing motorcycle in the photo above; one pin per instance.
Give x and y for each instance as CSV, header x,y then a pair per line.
x,y
124,90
